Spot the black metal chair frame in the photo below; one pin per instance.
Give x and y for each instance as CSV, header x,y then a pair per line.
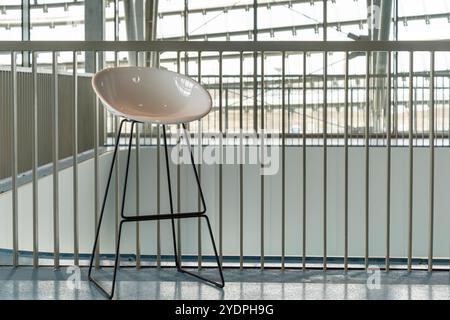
x,y
152,217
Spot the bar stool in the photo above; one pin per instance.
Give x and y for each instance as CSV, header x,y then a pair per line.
x,y
142,95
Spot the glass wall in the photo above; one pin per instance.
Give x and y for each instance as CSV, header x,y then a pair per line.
x,y
423,20
10,20
55,20
300,19
232,19
275,20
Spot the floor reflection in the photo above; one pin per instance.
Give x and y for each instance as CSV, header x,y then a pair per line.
x,y
167,284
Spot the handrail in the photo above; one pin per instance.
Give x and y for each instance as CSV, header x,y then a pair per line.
x,y
309,46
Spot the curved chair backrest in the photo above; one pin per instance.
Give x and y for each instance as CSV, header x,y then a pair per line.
x,y
151,95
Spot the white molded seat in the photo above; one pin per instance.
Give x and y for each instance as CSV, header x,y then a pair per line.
x,y
151,95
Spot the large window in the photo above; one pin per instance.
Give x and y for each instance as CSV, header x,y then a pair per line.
x,y
423,20
10,20
55,20
299,19
233,20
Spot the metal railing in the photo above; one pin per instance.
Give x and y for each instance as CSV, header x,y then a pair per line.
x,y
43,93
230,92
409,114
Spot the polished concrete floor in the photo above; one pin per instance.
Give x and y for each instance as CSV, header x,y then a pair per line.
x,y
252,284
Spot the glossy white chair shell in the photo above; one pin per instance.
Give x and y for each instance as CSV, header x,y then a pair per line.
x,y
151,95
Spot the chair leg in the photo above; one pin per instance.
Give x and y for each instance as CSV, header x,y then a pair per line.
x,y
97,232
110,295
197,179
220,284
124,194
201,214
219,265
116,262
204,216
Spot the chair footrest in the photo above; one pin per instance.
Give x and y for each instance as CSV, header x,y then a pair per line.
x,y
165,216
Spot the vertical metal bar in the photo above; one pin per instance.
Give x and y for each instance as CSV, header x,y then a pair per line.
x,y
255,67
448,107
325,155
346,162
396,24
226,109
96,165
138,196
262,153
138,184
358,91
117,184
396,67
325,18
158,195
351,112
169,184
442,113
411,159
199,202
221,157
186,24
395,104
14,162
186,38
116,20
423,112
158,183
55,161
105,127
283,163
289,116
241,166
415,111
35,161
25,8
255,20
432,129
388,165
338,114
117,166
367,163
75,160
304,164
179,182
